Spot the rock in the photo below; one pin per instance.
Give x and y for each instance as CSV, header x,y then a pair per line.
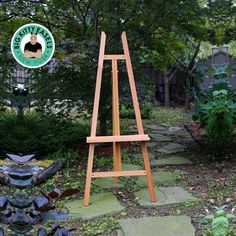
x,y
174,130
159,178
107,183
172,148
165,125
157,226
165,196
171,161
101,204
133,127
120,232
160,138
140,156
155,127
131,167
151,144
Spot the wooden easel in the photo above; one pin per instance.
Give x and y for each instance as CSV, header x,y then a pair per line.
x,y
116,138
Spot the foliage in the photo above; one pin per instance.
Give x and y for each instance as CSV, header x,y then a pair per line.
x,y
146,109
100,227
68,155
220,223
155,29
216,108
36,133
170,116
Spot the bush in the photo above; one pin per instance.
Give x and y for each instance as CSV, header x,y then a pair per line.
x,y
35,133
127,111
216,111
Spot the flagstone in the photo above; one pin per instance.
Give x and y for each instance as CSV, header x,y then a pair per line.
x,y
161,226
100,204
169,161
151,144
131,167
140,156
172,148
174,129
159,137
154,127
107,183
165,196
159,178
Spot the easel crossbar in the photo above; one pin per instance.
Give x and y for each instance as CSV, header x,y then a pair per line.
x,y
118,173
118,138
114,57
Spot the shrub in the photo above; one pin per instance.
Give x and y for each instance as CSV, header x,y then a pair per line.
x,y
34,132
216,111
127,111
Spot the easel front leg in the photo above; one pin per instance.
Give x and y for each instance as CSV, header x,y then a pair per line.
x,y
117,159
89,174
148,172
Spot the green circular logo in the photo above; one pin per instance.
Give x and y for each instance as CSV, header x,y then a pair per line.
x,y
32,45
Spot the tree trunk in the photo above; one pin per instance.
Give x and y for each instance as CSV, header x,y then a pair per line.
x,y
167,92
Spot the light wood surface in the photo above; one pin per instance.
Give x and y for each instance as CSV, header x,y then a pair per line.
x,y
121,138
116,138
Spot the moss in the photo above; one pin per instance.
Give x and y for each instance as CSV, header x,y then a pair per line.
x,y
42,163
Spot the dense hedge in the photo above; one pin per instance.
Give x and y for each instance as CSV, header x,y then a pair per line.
x,y
35,132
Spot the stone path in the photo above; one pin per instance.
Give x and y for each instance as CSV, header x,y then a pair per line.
x,y
106,203
139,156
159,178
107,183
153,226
172,148
100,205
160,137
171,161
165,196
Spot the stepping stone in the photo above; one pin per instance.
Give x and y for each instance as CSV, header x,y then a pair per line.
x,y
107,183
172,148
131,167
171,161
159,178
140,156
161,226
159,138
165,125
101,204
155,127
151,144
174,130
165,132
133,128
165,196
120,232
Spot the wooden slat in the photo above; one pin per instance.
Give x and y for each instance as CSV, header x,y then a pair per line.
x,y
116,57
122,138
132,83
98,84
116,118
118,173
